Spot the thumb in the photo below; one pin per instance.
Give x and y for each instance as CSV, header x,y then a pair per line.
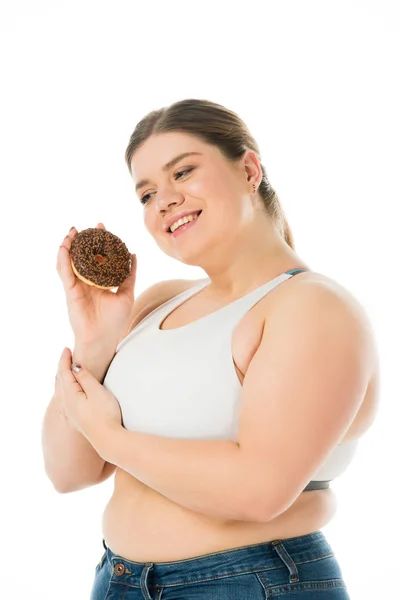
x,y
127,287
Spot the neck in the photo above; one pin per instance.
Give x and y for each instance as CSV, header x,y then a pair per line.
x,y
248,261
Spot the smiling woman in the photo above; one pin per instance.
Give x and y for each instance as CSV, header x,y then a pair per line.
x,y
242,396
200,159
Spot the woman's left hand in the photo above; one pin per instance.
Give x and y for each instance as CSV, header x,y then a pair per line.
x,y
86,402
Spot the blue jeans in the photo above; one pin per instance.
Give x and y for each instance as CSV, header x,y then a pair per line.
x,y
292,568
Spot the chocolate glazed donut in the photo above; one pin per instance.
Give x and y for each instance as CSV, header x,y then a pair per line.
x,y
100,258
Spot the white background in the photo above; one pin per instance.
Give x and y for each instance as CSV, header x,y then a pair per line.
x,y
317,83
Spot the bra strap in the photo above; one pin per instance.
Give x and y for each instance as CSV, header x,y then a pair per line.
x,y
295,271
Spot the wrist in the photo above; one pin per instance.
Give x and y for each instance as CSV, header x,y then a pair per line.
x,y
95,356
96,349
107,441
96,343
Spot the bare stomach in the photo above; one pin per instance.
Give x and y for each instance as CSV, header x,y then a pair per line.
x,y
142,525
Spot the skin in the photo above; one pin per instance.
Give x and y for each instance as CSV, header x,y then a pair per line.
x,y
235,241
239,248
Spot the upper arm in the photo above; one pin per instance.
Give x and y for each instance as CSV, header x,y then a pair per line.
x,y
301,392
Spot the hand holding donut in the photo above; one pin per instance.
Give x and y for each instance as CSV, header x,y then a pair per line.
x,y
95,312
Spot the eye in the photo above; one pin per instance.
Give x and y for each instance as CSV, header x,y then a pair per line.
x,y
145,198
183,172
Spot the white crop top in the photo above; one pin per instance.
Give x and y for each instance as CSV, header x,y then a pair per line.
x,y
182,382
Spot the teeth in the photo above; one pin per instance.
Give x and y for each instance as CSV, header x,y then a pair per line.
x,y
182,221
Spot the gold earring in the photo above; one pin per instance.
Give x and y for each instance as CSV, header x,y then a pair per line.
x,y
254,188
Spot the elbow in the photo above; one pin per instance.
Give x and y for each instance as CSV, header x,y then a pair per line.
x,y
252,508
252,503
260,502
257,505
66,487
249,513
62,489
268,506
63,485
258,513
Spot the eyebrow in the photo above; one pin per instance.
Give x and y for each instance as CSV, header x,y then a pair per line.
x,y
168,166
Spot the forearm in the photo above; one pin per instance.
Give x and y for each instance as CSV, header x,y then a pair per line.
x,y
210,477
70,460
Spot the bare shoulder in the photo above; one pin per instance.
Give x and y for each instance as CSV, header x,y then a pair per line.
x,y
312,306
157,294
314,297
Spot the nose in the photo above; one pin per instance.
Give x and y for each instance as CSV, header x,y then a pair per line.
x,y
166,199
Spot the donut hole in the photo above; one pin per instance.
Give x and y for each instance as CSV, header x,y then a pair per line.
x,y
100,259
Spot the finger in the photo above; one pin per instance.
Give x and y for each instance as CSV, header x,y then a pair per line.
x,y
87,381
100,226
63,267
65,375
67,241
127,287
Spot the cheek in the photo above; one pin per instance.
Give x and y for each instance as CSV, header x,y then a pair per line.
x,y
203,184
149,219
196,188
220,190
153,225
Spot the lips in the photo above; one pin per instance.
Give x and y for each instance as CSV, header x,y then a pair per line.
x,y
198,212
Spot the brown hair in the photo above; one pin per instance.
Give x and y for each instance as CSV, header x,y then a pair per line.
x,y
218,126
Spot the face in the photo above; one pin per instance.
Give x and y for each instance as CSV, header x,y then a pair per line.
x,y
169,183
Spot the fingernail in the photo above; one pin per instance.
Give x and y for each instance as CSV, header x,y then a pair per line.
x,y
76,367
71,229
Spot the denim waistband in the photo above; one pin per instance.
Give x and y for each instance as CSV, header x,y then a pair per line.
x,y
227,562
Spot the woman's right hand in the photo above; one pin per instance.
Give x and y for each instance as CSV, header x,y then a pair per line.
x,y
96,315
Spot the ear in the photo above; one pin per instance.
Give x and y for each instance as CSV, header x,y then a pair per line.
x,y
252,167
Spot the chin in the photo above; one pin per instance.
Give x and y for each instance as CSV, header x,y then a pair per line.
x,y
187,259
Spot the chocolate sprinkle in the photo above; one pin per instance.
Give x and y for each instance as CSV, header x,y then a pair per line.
x,y
101,257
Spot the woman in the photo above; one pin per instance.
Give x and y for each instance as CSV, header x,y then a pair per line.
x,y
224,406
